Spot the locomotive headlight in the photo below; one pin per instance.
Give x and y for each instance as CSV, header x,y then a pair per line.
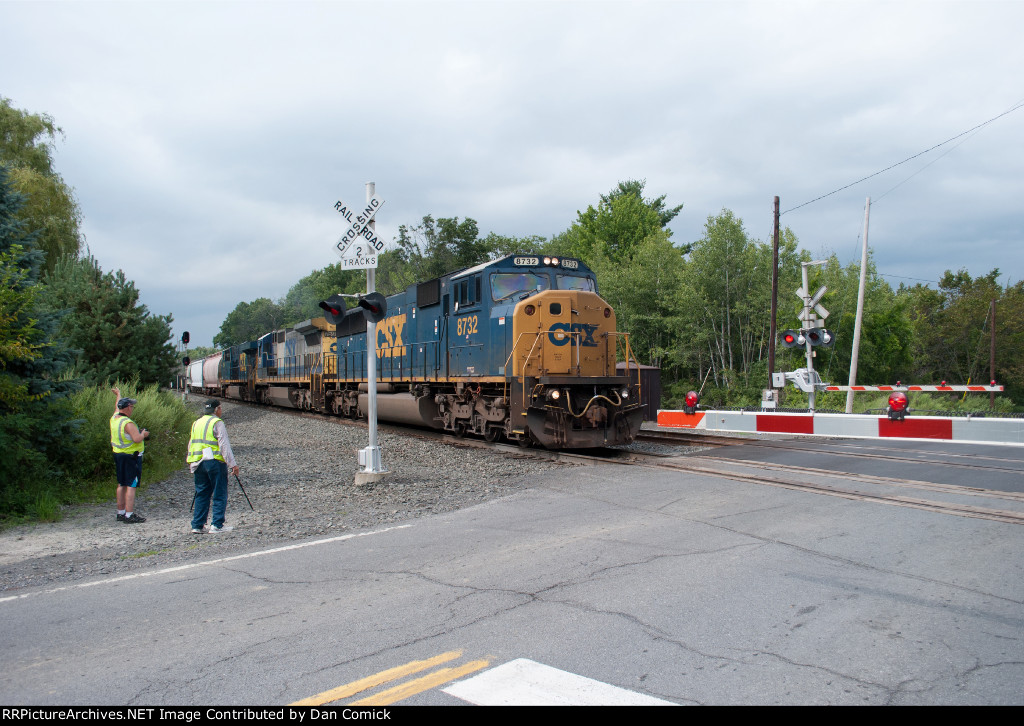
x,y
554,262
547,260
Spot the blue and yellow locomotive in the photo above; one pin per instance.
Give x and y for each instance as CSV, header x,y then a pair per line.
x,y
521,348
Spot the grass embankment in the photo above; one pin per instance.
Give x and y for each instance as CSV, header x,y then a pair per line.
x,y
87,475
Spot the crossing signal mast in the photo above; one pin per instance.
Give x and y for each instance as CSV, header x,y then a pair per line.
x,y
810,336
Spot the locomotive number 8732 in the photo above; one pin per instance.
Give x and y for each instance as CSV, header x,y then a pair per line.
x,y
520,348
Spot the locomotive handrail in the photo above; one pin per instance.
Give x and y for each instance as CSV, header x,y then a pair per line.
x,y
629,356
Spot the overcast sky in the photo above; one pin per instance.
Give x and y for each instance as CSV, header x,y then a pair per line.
x,y
208,142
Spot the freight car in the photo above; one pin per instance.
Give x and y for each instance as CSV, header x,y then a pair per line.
x,y
521,348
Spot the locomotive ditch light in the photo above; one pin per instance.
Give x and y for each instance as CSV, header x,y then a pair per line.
x,y
898,405
334,307
624,393
529,310
691,402
554,394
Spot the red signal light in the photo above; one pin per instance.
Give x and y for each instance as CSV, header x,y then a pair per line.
x,y
691,401
898,405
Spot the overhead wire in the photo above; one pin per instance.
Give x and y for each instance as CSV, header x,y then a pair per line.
x,y
1018,105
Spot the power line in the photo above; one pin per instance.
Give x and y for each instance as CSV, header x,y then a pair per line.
x,y
909,158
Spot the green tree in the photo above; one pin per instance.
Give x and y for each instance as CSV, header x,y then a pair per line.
x,y
49,209
303,299
117,336
952,332
249,321
617,226
37,430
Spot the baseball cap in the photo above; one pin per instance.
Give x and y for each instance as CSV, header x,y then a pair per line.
x,y
125,402
211,405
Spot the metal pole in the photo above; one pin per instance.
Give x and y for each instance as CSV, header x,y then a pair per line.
x,y
775,294
860,309
992,356
807,339
373,464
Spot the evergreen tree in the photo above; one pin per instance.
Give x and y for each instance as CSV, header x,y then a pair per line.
x,y
37,433
117,336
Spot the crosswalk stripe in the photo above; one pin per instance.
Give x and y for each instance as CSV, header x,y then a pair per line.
x,y
523,682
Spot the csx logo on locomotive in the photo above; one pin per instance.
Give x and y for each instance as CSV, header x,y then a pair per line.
x,y
558,337
389,336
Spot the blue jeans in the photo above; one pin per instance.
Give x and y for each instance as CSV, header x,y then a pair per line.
x,y
211,479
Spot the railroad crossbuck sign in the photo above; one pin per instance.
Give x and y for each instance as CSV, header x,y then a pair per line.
x,y
359,247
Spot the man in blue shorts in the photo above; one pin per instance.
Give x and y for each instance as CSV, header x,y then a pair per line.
x,y
127,441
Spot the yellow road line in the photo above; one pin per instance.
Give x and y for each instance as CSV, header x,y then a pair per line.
x,y
350,689
424,683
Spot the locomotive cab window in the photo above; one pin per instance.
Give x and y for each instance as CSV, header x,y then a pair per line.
x,y
505,285
467,292
574,282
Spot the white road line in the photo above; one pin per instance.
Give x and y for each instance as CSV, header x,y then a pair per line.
x,y
193,565
523,682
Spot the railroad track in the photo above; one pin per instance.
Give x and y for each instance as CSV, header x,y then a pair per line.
x,y
916,494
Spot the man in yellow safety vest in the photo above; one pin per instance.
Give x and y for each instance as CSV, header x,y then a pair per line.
x,y
127,441
209,458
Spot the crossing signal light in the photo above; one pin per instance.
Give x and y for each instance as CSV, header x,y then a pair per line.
x,y
374,306
691,401
334,308
792,339
821,336
898,405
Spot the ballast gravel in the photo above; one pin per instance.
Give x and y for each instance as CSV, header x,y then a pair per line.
x,y
299,473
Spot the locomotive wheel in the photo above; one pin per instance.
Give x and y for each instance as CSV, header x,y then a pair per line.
x,y
491,435
524,441
460,428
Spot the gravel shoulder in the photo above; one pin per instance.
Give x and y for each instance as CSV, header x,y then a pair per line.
x,y
299,473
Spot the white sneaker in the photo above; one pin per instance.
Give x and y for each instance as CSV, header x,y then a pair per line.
x,y
218,530
200,530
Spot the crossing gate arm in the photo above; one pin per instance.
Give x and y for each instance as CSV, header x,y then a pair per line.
x,y
941,389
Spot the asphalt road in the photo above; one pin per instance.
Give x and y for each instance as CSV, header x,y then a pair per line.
x,y
651,584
